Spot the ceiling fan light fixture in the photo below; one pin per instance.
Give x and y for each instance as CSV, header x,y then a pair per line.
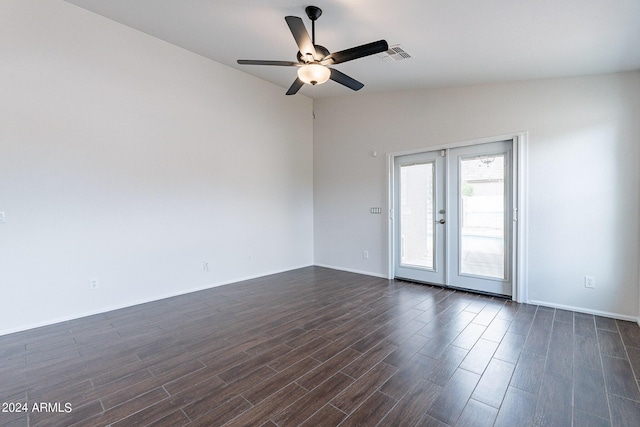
x,y
314,74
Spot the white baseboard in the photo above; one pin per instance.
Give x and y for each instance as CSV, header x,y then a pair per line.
x,y
586,311
351,270
144,301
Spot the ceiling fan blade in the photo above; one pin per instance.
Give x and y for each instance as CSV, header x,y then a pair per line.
x,y
343,79
295,87
299,31
356,52
260,62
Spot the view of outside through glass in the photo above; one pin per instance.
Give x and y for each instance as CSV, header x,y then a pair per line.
x,y
482,218
416,215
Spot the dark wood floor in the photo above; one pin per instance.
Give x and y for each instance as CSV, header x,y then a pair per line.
x,y
318,347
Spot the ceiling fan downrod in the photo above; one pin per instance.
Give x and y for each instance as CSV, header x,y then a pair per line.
x,y
313,12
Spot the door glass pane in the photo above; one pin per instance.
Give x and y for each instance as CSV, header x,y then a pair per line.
x,y
416,215
482,216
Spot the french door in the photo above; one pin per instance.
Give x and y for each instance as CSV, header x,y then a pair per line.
x,y
453,217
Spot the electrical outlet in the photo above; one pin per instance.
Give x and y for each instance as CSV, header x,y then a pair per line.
x,y
589,282
94,284
365,254
2,218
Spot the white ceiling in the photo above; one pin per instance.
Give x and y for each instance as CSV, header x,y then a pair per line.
x,y
453,42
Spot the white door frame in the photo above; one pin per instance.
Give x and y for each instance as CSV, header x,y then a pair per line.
x,y
520,198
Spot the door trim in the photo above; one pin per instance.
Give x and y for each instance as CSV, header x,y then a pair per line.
x,y
520,205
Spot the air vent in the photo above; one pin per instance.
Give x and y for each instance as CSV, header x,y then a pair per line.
x,y
395,53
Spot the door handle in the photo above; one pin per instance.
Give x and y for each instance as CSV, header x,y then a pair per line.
x,y
440,221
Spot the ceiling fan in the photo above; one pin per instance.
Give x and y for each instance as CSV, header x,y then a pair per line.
x,y
313,59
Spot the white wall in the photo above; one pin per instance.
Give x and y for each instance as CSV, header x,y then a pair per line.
x,y
130,160
584,152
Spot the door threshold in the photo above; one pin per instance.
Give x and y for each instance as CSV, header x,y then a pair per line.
x,y
469,291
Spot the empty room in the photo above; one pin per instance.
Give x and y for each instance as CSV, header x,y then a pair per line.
x,y
337,213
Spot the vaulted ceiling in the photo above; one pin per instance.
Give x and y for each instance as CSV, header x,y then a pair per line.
x,y
452,42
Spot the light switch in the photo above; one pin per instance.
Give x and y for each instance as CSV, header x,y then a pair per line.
x,y
2,220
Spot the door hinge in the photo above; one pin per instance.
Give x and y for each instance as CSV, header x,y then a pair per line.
x,y
443,153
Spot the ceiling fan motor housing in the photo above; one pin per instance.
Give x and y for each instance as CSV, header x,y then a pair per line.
x,y
321,51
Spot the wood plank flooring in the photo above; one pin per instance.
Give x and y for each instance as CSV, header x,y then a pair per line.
x,y
319,347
